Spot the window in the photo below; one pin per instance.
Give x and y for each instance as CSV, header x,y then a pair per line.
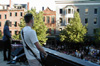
x,y
15,32
48,20
23,6
0,16
69,11
5,16
15,13
86,11
86,20
60,20
52,20
3,7
44,19
20,7
10,14
95,11
61,11
21,14
0,24
15,23
95,21
14,6
78,10
10,24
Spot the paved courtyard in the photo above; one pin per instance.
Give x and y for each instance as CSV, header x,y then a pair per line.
x,y
4,63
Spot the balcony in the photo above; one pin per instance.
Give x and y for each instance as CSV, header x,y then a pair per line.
x,y
55,58
69,15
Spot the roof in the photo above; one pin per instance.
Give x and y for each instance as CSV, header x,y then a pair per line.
x,y
77,1
21,4
49,11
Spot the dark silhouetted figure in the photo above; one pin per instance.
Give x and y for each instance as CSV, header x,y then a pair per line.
x,y
6,41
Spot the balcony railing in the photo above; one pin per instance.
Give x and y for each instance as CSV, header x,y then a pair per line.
x,y
56,58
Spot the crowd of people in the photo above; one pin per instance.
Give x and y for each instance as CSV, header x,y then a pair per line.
x,y
86,53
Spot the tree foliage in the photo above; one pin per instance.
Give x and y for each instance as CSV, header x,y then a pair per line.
x,y
0,35
97,36
74,31
17,37
39,25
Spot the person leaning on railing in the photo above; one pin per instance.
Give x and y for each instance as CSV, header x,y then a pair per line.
x,y
30,40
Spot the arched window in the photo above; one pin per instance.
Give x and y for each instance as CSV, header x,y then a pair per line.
x,y
48,19
44,19
69,10
53,19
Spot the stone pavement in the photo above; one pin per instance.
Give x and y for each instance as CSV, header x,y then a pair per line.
x,y
4,63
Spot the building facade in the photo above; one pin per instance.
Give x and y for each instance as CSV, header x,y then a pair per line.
x,y
14,14
49,17
89,13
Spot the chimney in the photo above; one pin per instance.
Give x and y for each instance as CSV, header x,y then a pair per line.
x,y
9,3
28,6
42,8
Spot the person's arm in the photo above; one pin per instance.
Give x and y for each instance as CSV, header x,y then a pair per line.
x,y
34,40
39,47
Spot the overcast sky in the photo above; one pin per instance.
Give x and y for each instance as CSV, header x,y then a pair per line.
x,y
33,3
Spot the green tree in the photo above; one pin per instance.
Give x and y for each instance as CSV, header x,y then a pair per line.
x,y
0,35
97,36
17,37
39,25
74,31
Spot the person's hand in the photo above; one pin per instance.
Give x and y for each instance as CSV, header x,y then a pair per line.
x,y
45,55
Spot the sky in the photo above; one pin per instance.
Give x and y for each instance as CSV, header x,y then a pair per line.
x,y
33,3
